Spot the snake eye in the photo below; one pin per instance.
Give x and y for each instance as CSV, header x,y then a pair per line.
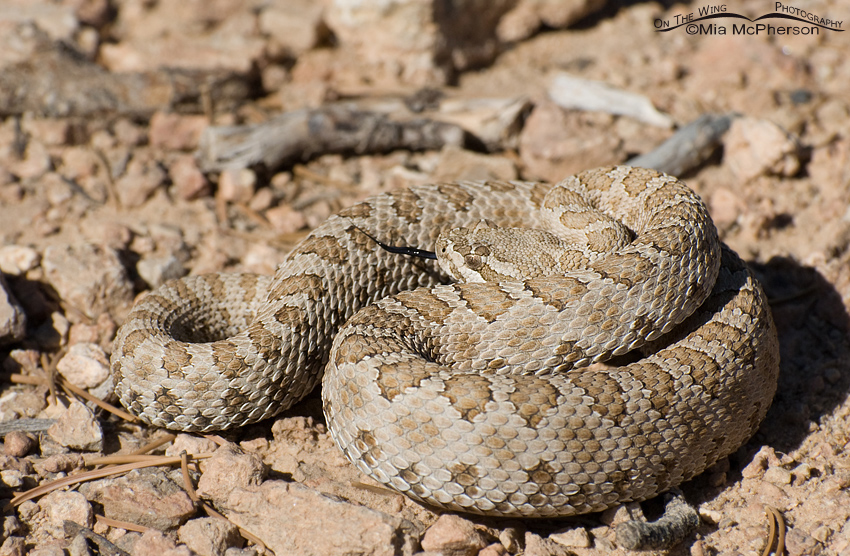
x,y
473,261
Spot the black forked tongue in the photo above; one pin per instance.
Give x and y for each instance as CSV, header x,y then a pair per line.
x,y
410,251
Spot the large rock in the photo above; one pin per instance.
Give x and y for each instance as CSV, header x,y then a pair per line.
x,y
420,42
89,278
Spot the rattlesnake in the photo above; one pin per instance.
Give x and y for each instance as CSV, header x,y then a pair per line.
x,y
476,396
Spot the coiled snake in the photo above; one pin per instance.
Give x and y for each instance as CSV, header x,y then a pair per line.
x,y
464,384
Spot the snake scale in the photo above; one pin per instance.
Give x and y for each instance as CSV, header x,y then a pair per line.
x,y
473,383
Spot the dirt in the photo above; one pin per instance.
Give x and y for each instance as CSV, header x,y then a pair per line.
x,y
103,199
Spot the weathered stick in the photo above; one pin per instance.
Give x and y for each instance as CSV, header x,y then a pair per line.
x,y
302,134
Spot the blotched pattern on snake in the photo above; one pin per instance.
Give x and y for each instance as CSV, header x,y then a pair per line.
x,y
464,383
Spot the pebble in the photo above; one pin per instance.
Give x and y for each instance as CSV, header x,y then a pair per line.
x,y
85,365
237,186
778,476
209,536
285,219
190,444
755,147
495,549
227,469
178,132
295,26
535,545
18,443
17,260
574,537
512,537
12,478
13,546
555,143
156,543
189,182
60,505
143,176
452,535
78,429
155,271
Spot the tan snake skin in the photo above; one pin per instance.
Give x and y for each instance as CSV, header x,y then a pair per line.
x,y
475,395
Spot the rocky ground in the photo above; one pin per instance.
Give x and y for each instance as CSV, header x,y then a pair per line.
x,y
113,179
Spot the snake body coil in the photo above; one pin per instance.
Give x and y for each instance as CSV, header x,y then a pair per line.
x,y
475,395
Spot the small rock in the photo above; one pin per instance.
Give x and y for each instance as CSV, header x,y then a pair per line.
x,y
143,176
190,444
12,478
77,429
189,182
89,278
60,463
79,163
16,260
574,537
798,543
764,457
230,468
155,271
262,258
453,535
178,132
778,476
209,536
237,186
285,220
155,543
11,526
79,546
262,199
512,537
495,549
22,404
85,365
129,133
535,545
146,497
18,443
555,143
110,234
755,147
14,546
59,506
36,161
296,25
13,320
